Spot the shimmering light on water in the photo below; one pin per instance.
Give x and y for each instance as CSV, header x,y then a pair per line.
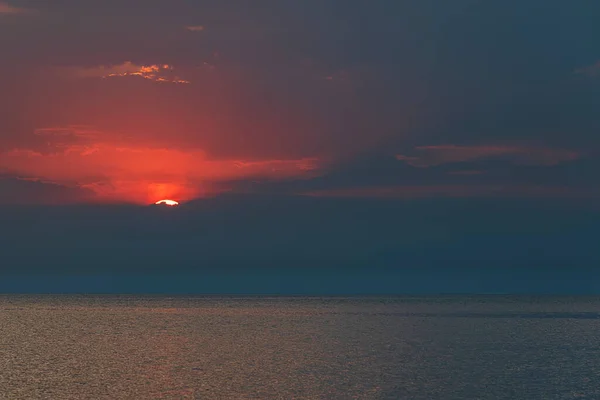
x,y
67,347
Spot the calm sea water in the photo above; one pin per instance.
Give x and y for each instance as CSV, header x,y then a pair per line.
x,y
494,347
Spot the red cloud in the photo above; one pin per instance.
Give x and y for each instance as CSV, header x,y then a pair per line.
x,y
117,170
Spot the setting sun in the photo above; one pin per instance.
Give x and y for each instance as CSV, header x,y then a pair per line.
x,y
167,203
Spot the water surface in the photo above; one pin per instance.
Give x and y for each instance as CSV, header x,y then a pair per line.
x,y
480,347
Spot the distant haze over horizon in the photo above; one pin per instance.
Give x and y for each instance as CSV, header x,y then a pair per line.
x,y
306,246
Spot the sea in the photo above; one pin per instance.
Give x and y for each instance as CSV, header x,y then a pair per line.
x,y
407,347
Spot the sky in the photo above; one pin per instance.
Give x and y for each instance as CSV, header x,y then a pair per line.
x,y
311,113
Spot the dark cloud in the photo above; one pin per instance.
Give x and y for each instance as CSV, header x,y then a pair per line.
x,y
427,156
21,190
550,174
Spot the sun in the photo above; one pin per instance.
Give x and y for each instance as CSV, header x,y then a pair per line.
x,y
167,202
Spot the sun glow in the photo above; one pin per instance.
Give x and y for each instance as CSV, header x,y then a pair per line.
x,y
167,203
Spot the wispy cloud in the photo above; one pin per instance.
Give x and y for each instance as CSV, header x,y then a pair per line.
x,y
162,73
459,191
7,9
195,28
591,70
305,164
429,156
78,131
